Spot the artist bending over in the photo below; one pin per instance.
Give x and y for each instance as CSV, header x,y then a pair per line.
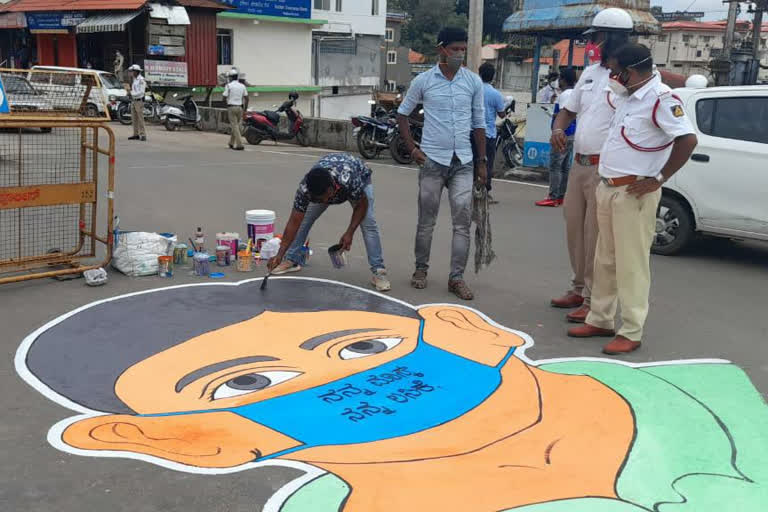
x,y
334,179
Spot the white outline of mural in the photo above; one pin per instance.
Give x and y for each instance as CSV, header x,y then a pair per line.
x,y
277,499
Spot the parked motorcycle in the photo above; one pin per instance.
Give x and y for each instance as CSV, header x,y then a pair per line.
x,y
266,124
151,109
374,133
507,142
186,114
397,145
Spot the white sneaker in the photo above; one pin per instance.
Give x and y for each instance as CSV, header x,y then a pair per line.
x,y
380,281
286,267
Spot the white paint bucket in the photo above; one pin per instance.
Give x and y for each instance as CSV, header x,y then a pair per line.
x,y
261,226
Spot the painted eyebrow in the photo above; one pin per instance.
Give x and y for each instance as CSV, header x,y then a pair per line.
x,y
313,343
222,365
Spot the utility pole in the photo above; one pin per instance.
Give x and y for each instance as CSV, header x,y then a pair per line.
x,y
757,26
475,46
724,69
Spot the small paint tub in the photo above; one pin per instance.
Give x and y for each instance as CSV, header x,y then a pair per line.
x,y
244,261
165,266
338,256
223,255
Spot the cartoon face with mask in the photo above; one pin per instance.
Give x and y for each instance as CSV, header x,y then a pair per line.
x,y
413,408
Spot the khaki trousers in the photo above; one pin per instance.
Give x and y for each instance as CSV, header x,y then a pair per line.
x,y
235,118
581,226
137,118
622,263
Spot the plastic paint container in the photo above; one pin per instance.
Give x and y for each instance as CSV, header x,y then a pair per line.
x,y
338,257
261,226
244,262
231,240
223,255
180,254
165,266
201,264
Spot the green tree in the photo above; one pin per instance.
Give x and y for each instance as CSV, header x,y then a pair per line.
x,y
495,12
426,19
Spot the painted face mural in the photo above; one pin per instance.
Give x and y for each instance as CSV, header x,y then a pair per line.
x,y
386,406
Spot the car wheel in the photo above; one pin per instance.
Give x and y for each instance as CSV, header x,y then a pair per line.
x,y
91,110
674,227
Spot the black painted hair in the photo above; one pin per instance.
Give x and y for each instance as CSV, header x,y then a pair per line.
x,y
451,35
319,180
634,56
568,75
82,357
487,72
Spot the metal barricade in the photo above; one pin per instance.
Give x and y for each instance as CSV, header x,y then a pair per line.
x,y
57,179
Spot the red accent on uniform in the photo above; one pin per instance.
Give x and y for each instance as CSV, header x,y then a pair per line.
x,y
640,148
656,109
608,97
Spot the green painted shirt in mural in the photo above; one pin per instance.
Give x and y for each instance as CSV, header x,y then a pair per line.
x,y
701,443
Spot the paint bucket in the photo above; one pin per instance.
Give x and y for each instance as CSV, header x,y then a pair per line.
x,y
201,264
223,255
231,240
165,266
244,261
180,254
261,226
338,257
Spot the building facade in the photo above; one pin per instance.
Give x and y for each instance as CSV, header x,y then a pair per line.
x,y
395,68
346,55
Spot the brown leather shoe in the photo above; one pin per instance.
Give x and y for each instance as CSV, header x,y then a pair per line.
x,y
621,345
590,331
568,301
579,316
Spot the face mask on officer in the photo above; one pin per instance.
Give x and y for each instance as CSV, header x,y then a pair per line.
x,y
619,82
454,55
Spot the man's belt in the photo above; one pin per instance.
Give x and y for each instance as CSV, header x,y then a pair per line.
x,y
587,160
138,99
620,182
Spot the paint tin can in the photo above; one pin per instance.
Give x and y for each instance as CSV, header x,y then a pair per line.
x,y
165,266
338,257
261,226
201,264
244,261
231,240
223,255
180,254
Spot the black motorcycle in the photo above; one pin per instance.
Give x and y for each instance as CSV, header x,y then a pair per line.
x,y
397,146
374,133
151,109
507,142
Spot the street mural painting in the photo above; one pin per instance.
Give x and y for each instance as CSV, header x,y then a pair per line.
x,y
387,406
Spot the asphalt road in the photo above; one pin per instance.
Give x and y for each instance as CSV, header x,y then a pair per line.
x,y
708,303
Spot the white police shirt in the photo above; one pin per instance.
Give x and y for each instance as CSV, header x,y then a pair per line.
x,y
642,132
594,108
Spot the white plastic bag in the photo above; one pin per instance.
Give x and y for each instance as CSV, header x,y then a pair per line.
x,y
137,252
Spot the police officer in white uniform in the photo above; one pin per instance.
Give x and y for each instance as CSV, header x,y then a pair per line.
x,y
138,91
594,108
235,94
649,140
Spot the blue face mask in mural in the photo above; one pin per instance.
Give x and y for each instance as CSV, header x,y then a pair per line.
x,y
418,391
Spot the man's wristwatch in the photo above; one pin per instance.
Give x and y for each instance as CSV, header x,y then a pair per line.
x,y
660,178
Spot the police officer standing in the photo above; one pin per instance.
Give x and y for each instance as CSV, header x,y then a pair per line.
x,y
649,140
235,93
595,108
138,91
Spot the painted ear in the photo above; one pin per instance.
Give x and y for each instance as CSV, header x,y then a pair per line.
x,y
465,333
209,440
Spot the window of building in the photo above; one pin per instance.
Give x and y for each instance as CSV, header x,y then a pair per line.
x,y
338,6
391,57
374,7
391,86
687,38
762,43
678,65
342,46
662,38
323,5
224,43
698,53
390,36
707,39
734,118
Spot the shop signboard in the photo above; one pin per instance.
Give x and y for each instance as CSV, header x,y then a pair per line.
x,y
166,72
13,20
54,20
281,8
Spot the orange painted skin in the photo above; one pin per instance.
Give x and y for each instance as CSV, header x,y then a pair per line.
x,y
540,437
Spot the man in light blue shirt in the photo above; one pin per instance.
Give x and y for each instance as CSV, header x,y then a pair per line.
x,y
453,108
494,106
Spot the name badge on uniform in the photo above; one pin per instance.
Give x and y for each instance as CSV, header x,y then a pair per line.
x,y
588,81
678,111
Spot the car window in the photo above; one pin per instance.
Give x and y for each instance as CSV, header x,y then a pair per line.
x,y
110,81
740,118
63,78
40,78
17,85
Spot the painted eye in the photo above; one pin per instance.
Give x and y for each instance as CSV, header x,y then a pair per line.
x,y
250,383
369,347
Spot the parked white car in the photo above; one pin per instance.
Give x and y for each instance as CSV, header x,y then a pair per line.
x,y
721,190
62,85
23,97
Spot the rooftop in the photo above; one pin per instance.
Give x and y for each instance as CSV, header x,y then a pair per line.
x,y
71,5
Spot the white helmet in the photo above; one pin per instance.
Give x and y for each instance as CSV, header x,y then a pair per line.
x,y
697,82
135,67
612,18
232,72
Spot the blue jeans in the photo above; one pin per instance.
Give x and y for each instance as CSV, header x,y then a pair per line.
x,y
458,179
559,168
369,228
